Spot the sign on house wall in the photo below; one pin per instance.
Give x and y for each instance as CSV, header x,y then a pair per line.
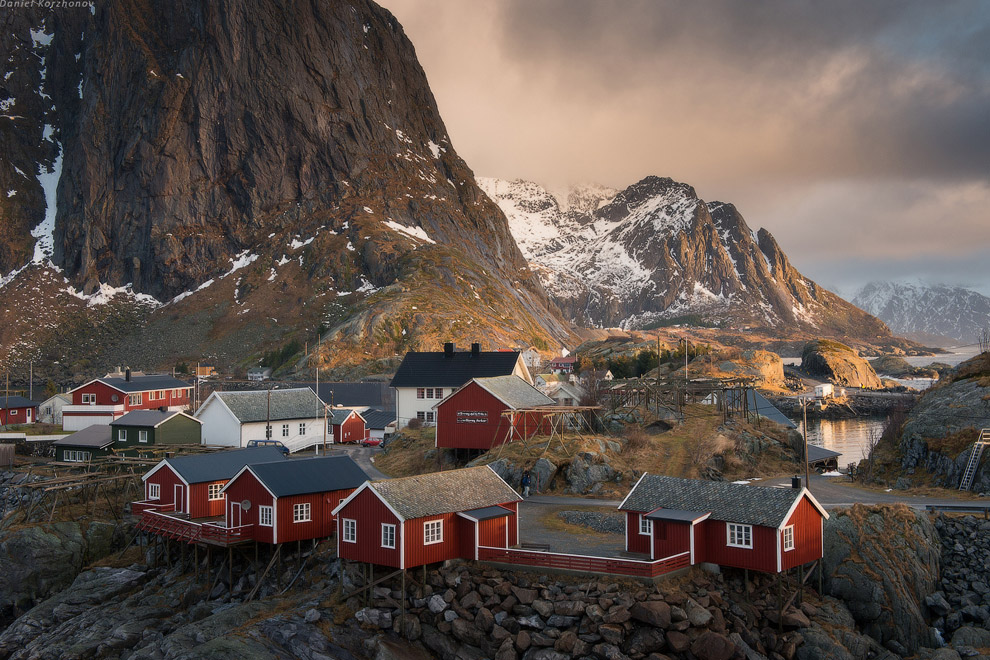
x,y
472,416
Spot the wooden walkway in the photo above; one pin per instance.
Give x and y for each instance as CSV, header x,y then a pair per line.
x,y
585,563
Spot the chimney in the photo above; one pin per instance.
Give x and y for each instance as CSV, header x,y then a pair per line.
x,y
448,349
127,375
795,482
475,349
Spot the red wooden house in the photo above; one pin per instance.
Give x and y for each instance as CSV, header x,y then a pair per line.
x,y
427,518
347,425
103,400
763,529
192,485
562,365
473,416
17,410
291,500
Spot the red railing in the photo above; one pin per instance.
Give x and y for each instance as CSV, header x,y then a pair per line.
x,y
158,522
215,533
585,563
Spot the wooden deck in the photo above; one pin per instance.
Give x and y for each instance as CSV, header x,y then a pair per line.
x,y
585,563
164,521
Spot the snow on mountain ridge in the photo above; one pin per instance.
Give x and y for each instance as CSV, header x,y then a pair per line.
x,y
914,308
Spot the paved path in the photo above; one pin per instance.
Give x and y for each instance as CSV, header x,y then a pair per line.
x,y
361,455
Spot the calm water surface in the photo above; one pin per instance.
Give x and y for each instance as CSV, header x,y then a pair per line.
x,y
848,436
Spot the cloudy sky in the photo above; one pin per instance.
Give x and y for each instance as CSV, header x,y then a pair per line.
x,y
857,132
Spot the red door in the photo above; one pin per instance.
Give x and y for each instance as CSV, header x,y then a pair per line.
x,y
180,498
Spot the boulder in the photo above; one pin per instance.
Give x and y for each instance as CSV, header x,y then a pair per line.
x,y
587,470
712,646
652,612
838,364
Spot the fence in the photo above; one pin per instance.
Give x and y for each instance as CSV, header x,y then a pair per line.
x,y
585,563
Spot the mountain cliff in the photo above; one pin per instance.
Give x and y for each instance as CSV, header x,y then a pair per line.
x,y
952,314
265,169
657,251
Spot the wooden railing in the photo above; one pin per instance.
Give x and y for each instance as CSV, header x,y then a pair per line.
x,y
214,533
150,505
155,519
585,563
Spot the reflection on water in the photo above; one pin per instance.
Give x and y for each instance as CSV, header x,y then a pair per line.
x,y
848,436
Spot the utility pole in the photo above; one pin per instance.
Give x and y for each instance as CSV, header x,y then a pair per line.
x,y
268,416
31,380
807,470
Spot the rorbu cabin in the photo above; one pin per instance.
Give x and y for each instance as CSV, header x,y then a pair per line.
x,y
94,441
192,484
751,527
291,500
141,429
487,412
347,425
427,518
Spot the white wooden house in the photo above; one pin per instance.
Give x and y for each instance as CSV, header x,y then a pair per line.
x,y
294,417
50,410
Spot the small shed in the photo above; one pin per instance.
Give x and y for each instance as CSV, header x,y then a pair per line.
x,y
824,390
472,417
17,410
347,425
143,428
291,500
428,518
83,446
752,527
193,484
379,422
50,410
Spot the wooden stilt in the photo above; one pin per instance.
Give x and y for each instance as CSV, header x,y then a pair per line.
x,y
402,603
230,568
780,608
801,587
196,560
371,578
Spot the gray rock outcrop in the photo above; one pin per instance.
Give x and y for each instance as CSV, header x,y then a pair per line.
x,y
838,364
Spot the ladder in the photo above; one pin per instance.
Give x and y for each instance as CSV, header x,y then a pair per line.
x,y
974,460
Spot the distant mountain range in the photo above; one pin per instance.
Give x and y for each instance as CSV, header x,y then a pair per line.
x,y
656,251
927,313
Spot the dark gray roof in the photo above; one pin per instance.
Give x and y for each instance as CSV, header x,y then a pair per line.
x,y
97,435
489,512
9,402
422,369
376,418
816,454
297,403
339,415
514,392
678,515
310,475
761,406
352,395
146,418
216,466
751,505
145,383
445,492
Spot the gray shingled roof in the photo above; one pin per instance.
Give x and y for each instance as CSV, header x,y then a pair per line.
x,y
148,418
751,505
340,415
445,492
198,468
310,475
10,402
816,454
298,403
97,435
514,392
375,418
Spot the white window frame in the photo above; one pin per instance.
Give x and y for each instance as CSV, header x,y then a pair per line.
x,y
88,397
420,392
265,515
432,532
388,536
645,525
154,491
421,415
739,536
438,393
302,428
788,538
143,436
430,416
176,393
121,435
213,492
301,512
285,430
348,530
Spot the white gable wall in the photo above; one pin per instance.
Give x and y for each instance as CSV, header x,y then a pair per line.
x,y
220,427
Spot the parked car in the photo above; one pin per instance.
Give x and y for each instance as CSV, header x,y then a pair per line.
x,y
371,442
269,443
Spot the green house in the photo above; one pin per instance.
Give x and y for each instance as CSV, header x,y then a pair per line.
x,y
144,428
83,446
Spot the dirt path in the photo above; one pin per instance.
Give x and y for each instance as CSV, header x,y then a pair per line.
x,y
533,529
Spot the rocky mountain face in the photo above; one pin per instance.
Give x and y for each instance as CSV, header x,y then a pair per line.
x,y
657,251
927,313
274,167
839,364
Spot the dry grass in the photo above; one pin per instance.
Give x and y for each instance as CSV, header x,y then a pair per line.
x,y
552,521
406,454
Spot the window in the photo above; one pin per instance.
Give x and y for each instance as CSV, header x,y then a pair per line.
x,y
300,512
438,393
134,399
285,430
265,516
739,536
420,393
176,393
76,456
302,428
268,431
154,491
788,538
388,536
645,525
432,532
429,392
88,398
142,436
214,491
122,435
421,416
161,394
350,531
429,416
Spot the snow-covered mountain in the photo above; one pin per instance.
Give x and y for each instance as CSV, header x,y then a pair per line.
x,y
657,251
927,312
